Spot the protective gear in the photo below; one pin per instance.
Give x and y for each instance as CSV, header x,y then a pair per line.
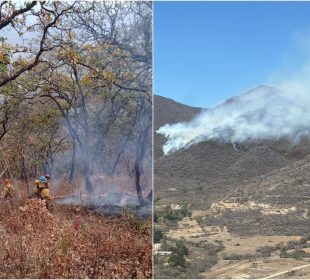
x,y
42,179
8,189
39,186
42,191
47,176
45,194
36,190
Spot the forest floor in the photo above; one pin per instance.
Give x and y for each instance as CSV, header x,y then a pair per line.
x,y
71,242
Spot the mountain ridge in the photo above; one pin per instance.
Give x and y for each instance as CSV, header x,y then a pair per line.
x,y
212,163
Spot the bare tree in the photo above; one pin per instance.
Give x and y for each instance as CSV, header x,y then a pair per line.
x,y
37,19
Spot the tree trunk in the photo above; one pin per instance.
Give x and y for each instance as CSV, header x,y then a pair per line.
x,y
24,174
137,181
150,196
87,167
72,167
140,153
86,175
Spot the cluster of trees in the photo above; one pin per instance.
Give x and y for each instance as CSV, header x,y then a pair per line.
x,y
178,252
177,214
75,88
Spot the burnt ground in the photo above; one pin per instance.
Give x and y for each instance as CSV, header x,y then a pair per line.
x,y
259,189
113,203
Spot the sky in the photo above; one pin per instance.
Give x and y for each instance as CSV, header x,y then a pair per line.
x,y
206,52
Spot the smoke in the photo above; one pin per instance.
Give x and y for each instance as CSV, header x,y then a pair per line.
x,y
265,112
113,145
110,199
262,113
111,203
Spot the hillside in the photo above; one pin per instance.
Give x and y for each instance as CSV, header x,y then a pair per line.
x,y
211,161
235,192
168,111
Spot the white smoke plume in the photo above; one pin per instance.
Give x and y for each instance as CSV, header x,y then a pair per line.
x,y
281,111
262,113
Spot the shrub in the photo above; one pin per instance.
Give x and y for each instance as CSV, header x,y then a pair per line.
x,y
158,235
71,244
155,217
176,260
184,211
181,248
199,219
297,254
176,215
240,257
212,249
265,251
171,216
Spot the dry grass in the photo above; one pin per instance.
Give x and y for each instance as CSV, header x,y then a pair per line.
x,y
71,243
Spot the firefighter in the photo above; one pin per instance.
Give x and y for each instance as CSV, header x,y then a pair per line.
x,y
41,191
38,186
45,192
44,189
8,189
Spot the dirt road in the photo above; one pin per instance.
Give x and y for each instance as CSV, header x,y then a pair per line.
x,y
287,271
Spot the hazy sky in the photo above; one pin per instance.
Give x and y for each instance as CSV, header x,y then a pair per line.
x,y
205,52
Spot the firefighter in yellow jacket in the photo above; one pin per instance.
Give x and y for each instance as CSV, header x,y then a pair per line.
x,y
42,191
8,189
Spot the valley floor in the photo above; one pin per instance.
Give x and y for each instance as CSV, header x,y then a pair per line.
x,y
215,251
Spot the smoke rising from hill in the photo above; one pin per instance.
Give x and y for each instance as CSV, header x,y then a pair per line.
x,y
262,113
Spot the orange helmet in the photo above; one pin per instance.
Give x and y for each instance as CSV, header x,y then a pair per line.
x,y
6,181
